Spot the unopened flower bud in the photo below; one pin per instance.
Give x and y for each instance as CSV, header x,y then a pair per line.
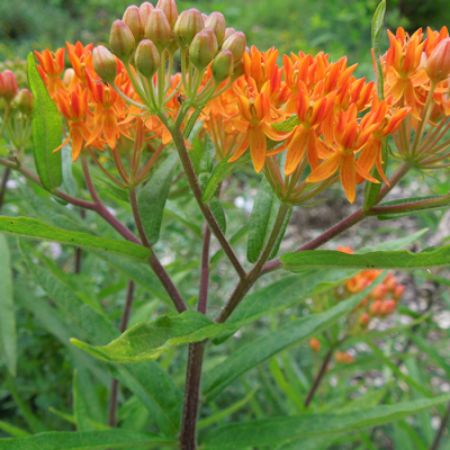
x,y
398,291
344,357
438,64
364,319
132,18
188,24
314,344
24,101
203,48
387,307
8,85
375,307
147,58
121,40
144,12
222,66
236,44
105,63
216,21
228,32
158,29
170,10
69,76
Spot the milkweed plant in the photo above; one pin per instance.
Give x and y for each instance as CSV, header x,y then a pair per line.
x,y
177,108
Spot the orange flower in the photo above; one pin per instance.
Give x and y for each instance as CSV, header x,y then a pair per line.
x,y
51,67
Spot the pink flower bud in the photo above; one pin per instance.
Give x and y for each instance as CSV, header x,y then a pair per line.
x,y
170,10
203,48
8,85
132,18
158,29
105,63
228,32
121,40
222,66
438,64
144,12
188,24
147,58
216,21
236,43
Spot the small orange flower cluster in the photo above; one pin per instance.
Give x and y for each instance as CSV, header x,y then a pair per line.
x,y
316,110
96,116
416,71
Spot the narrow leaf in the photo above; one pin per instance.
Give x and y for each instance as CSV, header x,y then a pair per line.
x,y
8,338
262,348
219,173
146,341
153,196
287,125
68,440
219,213
400,259
47,130
35,229
279,430
259,220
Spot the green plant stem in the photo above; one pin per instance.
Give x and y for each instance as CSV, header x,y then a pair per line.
x,y
188,438
78,250
3,183
245,284
114,391
178,140
319,377
441,430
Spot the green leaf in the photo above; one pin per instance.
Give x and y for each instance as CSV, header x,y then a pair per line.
x,y
219,213
287,125
259,220
153,196
84,399
35,229
279,430
400,259
146,341
376,31
47,130
8,338
281,234
83,440
219,173
262,348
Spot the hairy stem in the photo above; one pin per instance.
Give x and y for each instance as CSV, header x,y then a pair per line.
x,y
245,284
3,183
204,272
319,377
114,391
441,430
178,140
192,396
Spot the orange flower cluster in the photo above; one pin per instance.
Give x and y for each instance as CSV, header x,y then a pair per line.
x,y
97,116
416,71
315,110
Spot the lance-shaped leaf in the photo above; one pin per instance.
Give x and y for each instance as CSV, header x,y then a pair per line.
x,y
7,315
262,348
47,130
271,433
434,257
219,173
153,196
219,214
36,229
83,440
146,341
260,220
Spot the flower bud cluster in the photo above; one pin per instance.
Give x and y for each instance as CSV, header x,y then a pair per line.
x,y
145,32
15,98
